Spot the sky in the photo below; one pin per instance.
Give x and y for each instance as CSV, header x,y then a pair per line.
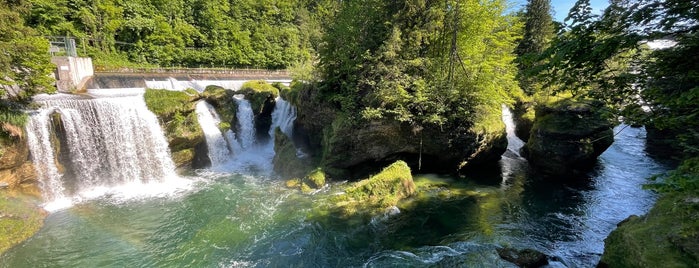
x,y
560,8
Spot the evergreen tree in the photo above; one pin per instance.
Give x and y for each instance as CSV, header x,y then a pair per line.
x,y
538,32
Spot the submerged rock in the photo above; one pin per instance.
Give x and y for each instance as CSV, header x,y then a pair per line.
x,y
20,218
314,180
523,258
567,137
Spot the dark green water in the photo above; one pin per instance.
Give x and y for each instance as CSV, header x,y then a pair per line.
x,y
234,220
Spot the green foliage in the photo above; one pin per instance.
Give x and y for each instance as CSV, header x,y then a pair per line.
x,y
605,57
11,114
684,179
538,32
418,62
24,61
192,33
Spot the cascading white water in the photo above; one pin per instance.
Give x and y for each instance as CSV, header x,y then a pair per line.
x,y
283,117
221,147
246,123
514,143
39,141
110,141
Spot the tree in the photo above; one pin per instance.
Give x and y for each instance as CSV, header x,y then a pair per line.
x,y
24,60
538,32
607,58
419,62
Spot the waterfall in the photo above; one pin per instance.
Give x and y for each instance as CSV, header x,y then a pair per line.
x,y
283,117
241,153
221,146
39,141
246,123
110,142
514,143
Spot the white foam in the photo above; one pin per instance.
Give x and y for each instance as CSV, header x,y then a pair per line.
x,y
132,191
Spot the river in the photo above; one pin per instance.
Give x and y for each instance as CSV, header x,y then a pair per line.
x,y
218,218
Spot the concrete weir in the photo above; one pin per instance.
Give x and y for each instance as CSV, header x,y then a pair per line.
x,y
72,73
133,78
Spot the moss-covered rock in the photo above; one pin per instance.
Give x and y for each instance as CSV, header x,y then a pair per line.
x,y
369,145
258,92
668,236
222,100
568,136
523,116
176,113
314,180
286,162
372,196
262,97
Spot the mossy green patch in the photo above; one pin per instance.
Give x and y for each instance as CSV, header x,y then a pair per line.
x,y
370,197
668,236
258,92
316,178
166,103
20,218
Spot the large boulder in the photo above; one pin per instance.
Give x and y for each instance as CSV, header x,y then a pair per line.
x,y
567,137
176,113
361,200
262,97
379,142
350,147
668,236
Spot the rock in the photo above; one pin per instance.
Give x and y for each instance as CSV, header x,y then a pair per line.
x,y
314,180
567,137
379,142
523,116
372,196
523,258
13,151
668,236
222,100
175,112
286,162
258,92
350,147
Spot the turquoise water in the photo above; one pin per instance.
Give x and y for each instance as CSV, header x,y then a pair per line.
x,y
238,220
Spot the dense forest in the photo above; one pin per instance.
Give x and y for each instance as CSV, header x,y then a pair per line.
x,y
190,33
